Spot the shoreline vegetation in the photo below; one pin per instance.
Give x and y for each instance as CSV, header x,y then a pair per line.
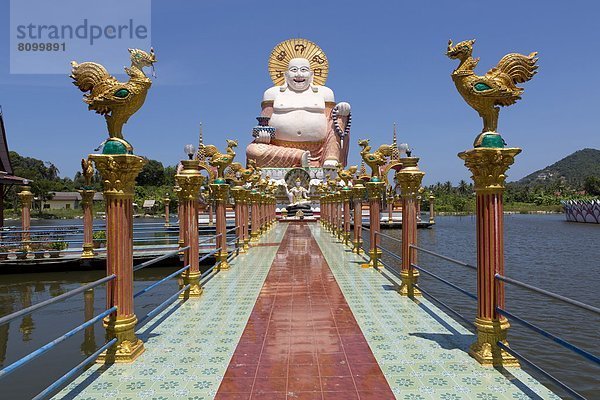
x,y
541,192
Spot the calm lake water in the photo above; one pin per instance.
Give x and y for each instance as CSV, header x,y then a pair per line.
x,y
542,250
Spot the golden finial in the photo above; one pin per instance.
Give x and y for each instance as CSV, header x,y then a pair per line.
x,y
200,156
498,87
395,151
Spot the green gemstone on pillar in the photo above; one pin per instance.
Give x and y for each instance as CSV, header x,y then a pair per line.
x,y
493,141
114,147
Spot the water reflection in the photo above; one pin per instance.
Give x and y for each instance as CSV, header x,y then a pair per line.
x,y
27,324
89,338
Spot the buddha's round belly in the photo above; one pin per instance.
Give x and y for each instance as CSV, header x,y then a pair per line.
x,y
299,125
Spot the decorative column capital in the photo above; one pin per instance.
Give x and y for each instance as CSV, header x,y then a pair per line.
x,y
189,180
25,196
375,190
237,192
488,166
118,173
87,196
166,201
409,177
220,191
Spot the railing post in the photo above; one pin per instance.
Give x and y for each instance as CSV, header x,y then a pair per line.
x,y
409,178
346,196
246,203
253,195
431,209
488,166
189,181
167,202
220,192
340,215
87,202
118,173
390,201
89,338
358,192
26,198
210,213
374,190
325,211
237,192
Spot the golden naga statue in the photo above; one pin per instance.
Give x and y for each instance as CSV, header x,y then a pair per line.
x,y
346,175
376,159
117,101
220,161
498,87
240,175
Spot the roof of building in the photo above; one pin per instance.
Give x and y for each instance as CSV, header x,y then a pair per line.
x,y
72,196
6,171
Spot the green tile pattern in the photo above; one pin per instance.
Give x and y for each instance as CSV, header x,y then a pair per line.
x,y
188,352
422,357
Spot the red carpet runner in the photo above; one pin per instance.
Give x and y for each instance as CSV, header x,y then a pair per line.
x,y
302,341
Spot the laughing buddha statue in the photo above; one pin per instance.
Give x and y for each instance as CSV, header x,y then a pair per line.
x,y
306,128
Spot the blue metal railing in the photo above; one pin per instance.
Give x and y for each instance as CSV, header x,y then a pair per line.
x,y
159,258
64,296
160,282
388,237
33,355
522,358
439,278
69,375
452,260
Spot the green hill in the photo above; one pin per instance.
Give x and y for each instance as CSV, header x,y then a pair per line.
x,y
571,170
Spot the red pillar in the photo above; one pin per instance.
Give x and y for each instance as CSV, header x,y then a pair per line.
x,y
489,166
409,178
374,190
118,174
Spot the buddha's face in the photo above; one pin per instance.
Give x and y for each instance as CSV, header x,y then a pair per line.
x,y
298,75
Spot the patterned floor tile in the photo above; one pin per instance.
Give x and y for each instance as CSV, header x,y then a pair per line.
x,y
188,352
422,351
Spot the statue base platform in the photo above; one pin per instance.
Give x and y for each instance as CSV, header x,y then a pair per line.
x,y
305,210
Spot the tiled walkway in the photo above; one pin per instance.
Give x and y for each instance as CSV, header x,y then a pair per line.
x,y
319,315
189,345
421,350
302,341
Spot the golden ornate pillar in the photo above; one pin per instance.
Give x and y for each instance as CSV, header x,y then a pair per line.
x,y
340,215
189,181
346,194
87,202
220,192
409,178
26,198
358,192
118,173
167,202
375,189
431,209
488,166
237,192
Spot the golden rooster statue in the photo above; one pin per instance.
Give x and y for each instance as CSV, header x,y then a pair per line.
x,y
346,175
498,87
117,101
220,160
376,159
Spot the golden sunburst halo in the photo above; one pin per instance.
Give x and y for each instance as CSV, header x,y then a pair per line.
x,y
298,48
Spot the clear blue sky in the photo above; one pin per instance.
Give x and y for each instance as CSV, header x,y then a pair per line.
x,y
386,59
